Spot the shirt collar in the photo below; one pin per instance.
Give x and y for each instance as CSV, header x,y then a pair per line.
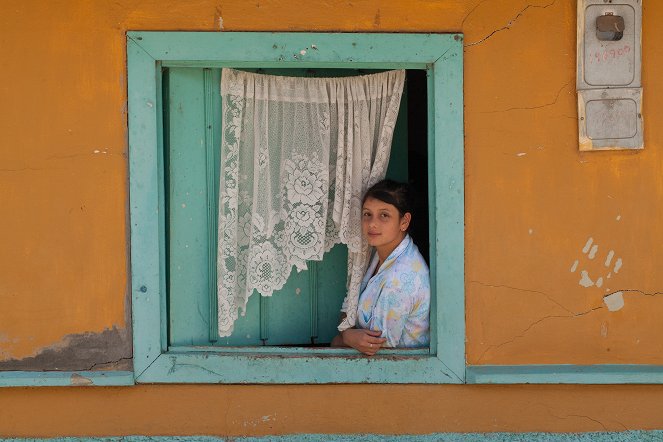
x,y
398,251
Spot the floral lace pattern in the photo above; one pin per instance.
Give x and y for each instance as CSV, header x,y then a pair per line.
x,y
297,154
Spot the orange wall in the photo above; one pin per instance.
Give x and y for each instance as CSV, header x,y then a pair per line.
x,y
532,202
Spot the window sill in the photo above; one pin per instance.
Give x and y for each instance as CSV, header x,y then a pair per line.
x,y
297,351
341,366
65,378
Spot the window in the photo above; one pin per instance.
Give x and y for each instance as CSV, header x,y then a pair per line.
x,y
305,312
174,329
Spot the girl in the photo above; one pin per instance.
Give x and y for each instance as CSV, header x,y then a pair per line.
x,y
394,303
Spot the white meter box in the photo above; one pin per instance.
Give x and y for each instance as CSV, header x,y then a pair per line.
x,y
609,74
610,119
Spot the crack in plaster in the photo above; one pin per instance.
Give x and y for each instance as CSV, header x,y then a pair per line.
x,y
471,11
86,154
635,290
511,22
579,416
554,102
550,412
532,325
115,361
526,290
21,169
615,300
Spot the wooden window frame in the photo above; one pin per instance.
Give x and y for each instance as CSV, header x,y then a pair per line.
x,y
441,56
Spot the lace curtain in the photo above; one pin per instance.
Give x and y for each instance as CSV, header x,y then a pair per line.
x,y
297,154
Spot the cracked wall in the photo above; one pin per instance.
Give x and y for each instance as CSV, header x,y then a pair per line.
x,y
532,203
554,235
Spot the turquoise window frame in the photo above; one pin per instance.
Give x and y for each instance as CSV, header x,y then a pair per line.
x,y
441,55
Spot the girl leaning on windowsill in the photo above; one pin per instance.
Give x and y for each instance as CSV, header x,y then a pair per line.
x,y
394,302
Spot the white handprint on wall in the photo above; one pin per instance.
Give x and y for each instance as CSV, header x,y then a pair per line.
x,y
591,250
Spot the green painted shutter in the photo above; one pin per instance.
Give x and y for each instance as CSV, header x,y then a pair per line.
x,y
306,310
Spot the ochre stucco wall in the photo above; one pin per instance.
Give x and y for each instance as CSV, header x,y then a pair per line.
x,y
532,203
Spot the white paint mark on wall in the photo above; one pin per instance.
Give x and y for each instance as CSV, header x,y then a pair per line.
x,y
531,231
618,217
315,47
604,329
574,266
303,52
221,23
263,419
585,280
521,154
298,291
591,250
618,265
614,301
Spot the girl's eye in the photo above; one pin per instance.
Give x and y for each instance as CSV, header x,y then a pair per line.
x,y
384,215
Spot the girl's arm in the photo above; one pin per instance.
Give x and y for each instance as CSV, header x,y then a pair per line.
x,y
365,341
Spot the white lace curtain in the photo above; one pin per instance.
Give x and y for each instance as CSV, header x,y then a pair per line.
x,y
297,154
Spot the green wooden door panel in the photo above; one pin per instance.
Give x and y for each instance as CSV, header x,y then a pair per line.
x,y
187,229
331,276
288,311
306,310
189,232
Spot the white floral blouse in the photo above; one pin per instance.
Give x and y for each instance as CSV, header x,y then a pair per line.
x,y
396,300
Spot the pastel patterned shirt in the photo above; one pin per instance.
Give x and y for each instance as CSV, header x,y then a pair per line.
x,y
396,300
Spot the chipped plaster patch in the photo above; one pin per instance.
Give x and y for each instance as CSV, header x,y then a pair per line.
x,y
614,301
109,349
78,380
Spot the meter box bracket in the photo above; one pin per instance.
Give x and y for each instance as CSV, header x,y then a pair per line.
x,y
609,74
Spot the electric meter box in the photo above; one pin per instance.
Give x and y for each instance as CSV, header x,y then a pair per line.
x,y
609,74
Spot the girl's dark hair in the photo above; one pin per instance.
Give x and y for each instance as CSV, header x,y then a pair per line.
x,y
391,192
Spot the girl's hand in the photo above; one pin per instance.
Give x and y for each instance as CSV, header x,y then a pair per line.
x,y
365,341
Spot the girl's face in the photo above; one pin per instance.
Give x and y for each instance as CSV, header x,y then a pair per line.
x,y
382,225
